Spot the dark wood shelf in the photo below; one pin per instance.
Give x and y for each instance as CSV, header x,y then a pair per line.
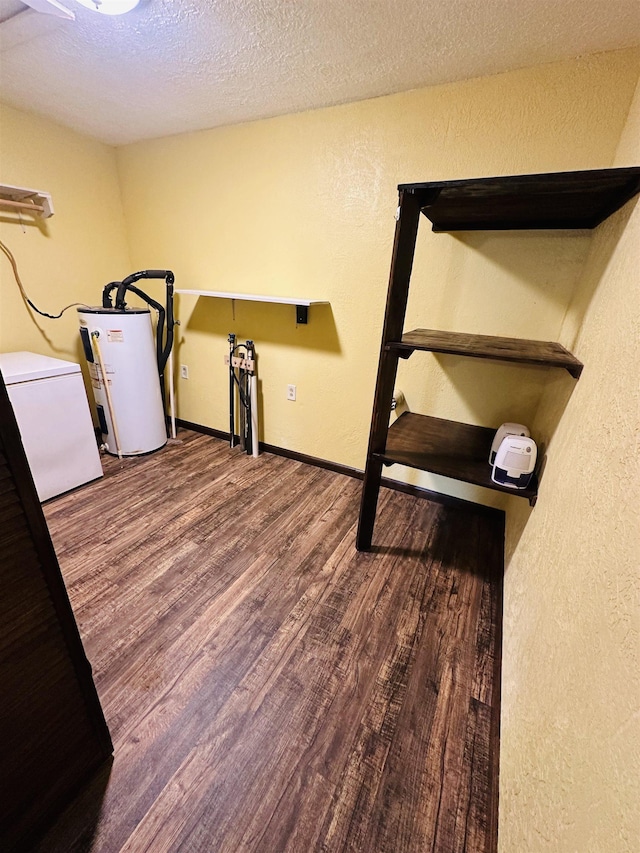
x,y
448,448
555,200
541,353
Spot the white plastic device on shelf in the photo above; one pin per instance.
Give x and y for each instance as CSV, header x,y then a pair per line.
x,y
502,432
515,462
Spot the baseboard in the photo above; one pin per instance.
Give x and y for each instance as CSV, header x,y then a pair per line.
x,y
416,491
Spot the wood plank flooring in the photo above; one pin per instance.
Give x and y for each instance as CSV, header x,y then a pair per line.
x,y
267,687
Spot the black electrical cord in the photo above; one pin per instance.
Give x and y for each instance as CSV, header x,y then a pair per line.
x,y
23,292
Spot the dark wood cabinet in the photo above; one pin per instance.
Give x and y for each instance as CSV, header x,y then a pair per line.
x,y
52,731
559,200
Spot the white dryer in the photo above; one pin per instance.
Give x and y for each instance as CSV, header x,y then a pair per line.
x,y
51,408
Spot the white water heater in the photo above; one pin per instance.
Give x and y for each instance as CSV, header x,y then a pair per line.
x,y
130,410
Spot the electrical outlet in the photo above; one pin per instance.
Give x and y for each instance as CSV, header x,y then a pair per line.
x,y
291,392
184,371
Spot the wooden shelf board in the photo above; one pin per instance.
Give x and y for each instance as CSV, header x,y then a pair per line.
x,y
553,200
448,448
540,353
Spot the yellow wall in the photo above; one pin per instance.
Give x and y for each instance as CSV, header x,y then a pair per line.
x,y
69,257
304,205
570,745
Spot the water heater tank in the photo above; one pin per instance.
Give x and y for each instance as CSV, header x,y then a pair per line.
x,y
126,342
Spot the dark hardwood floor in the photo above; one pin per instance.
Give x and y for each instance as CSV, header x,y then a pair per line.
x,y
267,687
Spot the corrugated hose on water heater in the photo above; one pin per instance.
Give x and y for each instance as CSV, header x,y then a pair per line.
x,y
164,342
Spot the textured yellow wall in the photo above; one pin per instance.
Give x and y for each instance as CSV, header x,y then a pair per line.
x,y
570,740
304,204
69,257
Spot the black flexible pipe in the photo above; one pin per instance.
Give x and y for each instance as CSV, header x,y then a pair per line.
x,y
106,293
170,322
160,327
136,276
162,350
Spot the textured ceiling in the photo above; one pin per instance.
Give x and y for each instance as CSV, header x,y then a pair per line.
x,y
172,66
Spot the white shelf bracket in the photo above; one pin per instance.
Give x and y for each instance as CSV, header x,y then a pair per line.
x,y
25,200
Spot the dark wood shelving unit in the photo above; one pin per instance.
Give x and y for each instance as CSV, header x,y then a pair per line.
x,y
559,200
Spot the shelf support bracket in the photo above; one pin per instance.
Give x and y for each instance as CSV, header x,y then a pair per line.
x,y
23,199
302,314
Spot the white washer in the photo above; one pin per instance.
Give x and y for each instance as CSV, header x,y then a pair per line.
x,y
51,408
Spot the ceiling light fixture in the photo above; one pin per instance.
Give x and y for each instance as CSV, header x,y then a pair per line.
x,y
110,7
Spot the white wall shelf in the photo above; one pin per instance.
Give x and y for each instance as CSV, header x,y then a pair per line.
x,y
22,199
302,305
